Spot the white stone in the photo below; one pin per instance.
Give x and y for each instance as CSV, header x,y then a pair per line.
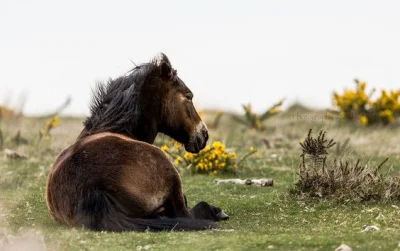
x,y
370,228
343,247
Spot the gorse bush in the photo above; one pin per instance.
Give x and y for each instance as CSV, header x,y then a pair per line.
x,y
358,105
213,159
322,177
45,131
255,121
7,113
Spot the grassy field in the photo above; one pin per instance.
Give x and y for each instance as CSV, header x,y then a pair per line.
x,y
261,218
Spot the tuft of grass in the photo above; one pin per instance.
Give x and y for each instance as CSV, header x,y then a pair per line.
x,y
321,177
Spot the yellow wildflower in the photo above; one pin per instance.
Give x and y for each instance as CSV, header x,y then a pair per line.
x,y
275,110
164,148
53,122
232,155
217,145
388,114
362,85
178,160
364,120
207,148
188,156
177,144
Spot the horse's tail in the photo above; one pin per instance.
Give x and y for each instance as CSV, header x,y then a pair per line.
x,y
98,212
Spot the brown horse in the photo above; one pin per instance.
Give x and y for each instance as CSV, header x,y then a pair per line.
x,y
112,178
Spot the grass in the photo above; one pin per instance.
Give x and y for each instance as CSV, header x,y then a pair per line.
x,y
261,217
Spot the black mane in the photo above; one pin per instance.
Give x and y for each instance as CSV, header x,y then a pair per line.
x,y
114,106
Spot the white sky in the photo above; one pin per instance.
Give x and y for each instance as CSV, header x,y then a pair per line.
x,y
227,52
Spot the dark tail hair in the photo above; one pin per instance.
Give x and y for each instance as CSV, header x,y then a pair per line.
x,y
98,212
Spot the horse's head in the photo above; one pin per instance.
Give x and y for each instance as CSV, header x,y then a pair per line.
x,y
179,118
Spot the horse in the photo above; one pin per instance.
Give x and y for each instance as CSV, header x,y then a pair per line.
x,y
113,178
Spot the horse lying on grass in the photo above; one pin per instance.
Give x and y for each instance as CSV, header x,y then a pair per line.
x,y
112,178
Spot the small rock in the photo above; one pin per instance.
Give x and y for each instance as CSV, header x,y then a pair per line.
x,y
14,155
370,228
343,247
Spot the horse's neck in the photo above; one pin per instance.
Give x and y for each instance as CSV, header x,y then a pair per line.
x,y
145,132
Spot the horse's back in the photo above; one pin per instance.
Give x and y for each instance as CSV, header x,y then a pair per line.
x,y
134,175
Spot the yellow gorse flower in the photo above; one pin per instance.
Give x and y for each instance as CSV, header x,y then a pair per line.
x,y
364,120
49,125
188,156
54,122
165,148
178,160
254,120
213,159
387,114
357,104
177,144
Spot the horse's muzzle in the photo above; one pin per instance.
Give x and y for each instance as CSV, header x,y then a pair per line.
x,y
198,141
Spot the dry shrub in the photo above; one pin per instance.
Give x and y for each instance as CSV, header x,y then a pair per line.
x,y
255,121
6,113
322,177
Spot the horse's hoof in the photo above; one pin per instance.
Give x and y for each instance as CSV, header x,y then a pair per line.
x,y
222,216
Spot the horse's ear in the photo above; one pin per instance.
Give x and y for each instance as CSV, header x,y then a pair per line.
x,y
166,70
164,65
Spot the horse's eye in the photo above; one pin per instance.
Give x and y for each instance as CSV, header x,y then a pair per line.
x,y
189,96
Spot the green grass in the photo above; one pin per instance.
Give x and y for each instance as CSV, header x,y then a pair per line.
x,y
260,218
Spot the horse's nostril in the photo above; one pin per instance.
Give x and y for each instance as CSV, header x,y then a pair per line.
x,y
205,135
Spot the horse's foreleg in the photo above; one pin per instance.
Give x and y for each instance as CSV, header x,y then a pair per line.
x,y
176,205
205,211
